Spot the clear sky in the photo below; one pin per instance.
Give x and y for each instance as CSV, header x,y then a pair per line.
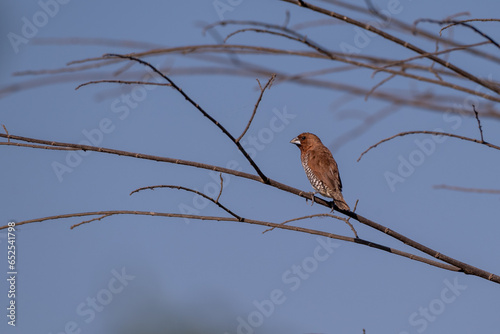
x,y
136,274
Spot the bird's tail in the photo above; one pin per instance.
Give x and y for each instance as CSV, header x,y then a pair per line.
x,y
340,202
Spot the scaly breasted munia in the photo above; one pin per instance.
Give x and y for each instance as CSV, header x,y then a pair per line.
x,y
320,167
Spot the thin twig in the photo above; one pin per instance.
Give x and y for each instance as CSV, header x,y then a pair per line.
x,y
396,40
122,82
57,145
245,49
462,23
412,29
262,89
247,22
462,47
387,231
104,214
91,220
45,147
436,133
342,58
378,85
454,16
193,191
221,188
220,48
466,268
314,216
296,37
197,106
465,21
293,32
470,190
354,210
478,122
428,101
7,132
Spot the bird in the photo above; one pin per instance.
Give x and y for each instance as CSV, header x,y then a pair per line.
x,y
320,167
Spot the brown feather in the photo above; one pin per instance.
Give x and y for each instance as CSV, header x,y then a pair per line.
x,y
320,167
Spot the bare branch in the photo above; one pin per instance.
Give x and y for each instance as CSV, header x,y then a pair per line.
x,y
478,122
243,49
122,82
249,23
468,269
453,16
378,85
354,210
262,89
414,30
396,40
53,145
462,47
46,147
295,37
193,191
470,190
436,133
318,215
110,213
105,214
6,132
197,106
462,23
67,69
465,21
337,57
427,100
221,188
91,220
319,53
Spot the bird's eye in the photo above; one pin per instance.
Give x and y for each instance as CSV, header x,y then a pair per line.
x,y
303,137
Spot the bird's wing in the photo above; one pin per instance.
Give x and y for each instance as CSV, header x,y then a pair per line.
x,y
324,166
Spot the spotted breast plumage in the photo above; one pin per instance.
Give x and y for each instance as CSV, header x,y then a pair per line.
x,y
320,167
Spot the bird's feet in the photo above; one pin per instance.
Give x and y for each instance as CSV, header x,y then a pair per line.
x,y
312,197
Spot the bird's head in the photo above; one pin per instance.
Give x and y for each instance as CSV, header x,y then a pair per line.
x,y
305,140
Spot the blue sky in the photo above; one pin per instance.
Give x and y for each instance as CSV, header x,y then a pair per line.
x,y
131,274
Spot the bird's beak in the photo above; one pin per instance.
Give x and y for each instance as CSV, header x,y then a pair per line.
x,y
295,141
